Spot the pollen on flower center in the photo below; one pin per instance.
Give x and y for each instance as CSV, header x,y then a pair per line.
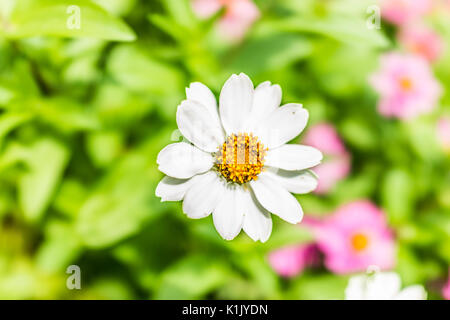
x,y
241,158
359,241
406,84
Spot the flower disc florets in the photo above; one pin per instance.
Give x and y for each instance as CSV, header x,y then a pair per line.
x,y
241,158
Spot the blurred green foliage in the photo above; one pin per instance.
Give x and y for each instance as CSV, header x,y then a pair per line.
x,y
84,113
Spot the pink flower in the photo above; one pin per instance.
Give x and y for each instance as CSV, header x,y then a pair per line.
x,y
441,6
443,133
355,237
238,18
400,12
407,86
446,289
336,165
290,261
422,41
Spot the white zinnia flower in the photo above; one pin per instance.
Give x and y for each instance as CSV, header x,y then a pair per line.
x,y
238,167
382,286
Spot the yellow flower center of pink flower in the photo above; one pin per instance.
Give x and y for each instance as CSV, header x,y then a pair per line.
x,y
359,241
406,84
241,158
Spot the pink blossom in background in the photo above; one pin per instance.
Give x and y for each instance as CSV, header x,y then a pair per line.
x,y
441,5
238,18
406,85
400,12
446,289
336,165
355,237
206,8
443,133
291,261
422,41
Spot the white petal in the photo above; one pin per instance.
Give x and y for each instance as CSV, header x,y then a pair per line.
x,y
266,99
303,181
229,213
172,189
235,103
182,160
293,157
199,92
356,288
282,125
383,286
276,199
198,125
203,196
257,220
415,292
379,286
264,84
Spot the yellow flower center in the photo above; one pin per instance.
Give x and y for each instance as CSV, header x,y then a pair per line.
x,y
359,241
406,84
241,158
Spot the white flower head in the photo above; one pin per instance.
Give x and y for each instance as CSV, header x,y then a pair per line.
x,y
382,286
237,165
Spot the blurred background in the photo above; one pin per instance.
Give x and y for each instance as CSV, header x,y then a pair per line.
x,y
88,95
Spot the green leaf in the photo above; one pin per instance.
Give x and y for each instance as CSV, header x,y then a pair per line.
x,y
104,147
6,94
108,289
117,7
142,72
413,269
117,106
13,154
70,197
341,28
60,248
167,25
397,194
181,12
318,287
17,82
422,137
356,187
83,69
146,75
261,274
285,234
65,18
357,133
64,114
6,8
192,278
45,162
271,52
343,69
120,204
11,120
